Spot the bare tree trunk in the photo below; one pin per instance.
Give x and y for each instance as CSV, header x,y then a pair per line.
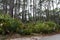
x,y
11,5
4,6
33,11
40,9
15,15
17,9
48,7
53,10
23,11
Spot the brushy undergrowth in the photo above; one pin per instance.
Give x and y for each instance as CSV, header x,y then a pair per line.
x,y
9,25
39,27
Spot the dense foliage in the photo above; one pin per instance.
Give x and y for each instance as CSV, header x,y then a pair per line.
x,y
9,25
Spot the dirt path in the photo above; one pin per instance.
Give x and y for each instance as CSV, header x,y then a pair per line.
x,y
53,37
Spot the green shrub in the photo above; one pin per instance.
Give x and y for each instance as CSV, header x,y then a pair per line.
x,y
39,27
8,24
26,29
45,27
58,28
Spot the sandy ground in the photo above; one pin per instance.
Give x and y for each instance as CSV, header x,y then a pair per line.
x,y
52,37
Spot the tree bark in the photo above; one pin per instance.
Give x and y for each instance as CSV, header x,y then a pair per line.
x,y
4,6
11,5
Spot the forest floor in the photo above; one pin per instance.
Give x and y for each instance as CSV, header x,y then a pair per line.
x,y
53,36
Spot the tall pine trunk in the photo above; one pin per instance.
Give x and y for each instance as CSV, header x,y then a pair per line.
x,y
11,5
23,11
4,6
